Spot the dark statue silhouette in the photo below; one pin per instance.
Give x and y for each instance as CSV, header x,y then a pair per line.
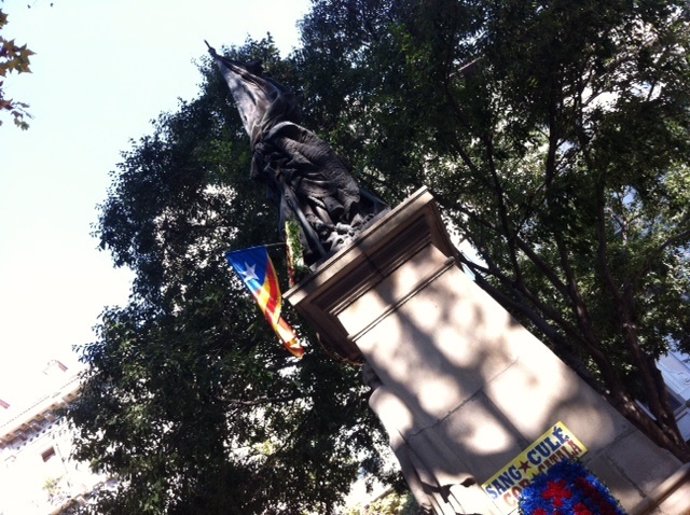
x,y
305,178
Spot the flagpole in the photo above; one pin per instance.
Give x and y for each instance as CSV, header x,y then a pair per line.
x,y
276,244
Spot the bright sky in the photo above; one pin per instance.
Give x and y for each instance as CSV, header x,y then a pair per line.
x,y
102,71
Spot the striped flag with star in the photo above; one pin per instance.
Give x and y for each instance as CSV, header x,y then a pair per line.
x,y
255,268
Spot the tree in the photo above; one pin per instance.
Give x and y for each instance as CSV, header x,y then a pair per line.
x,y
13,58
555,136
189,401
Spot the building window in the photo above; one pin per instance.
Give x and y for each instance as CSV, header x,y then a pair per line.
x,y
48,454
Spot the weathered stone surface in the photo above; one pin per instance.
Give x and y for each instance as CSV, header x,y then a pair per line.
x,y
645,465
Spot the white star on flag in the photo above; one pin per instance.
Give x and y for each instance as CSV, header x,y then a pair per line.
x,y
250,272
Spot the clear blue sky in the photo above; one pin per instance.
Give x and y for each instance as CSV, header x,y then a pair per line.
x,y
102,71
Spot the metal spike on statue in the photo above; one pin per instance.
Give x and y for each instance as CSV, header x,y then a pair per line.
x,y
305,178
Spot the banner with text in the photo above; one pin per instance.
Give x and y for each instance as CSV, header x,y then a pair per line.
x,y
556,444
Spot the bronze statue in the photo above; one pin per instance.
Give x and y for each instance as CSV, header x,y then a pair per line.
x,y
305,178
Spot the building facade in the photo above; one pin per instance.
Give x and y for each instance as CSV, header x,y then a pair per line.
x,y
675,368
37,475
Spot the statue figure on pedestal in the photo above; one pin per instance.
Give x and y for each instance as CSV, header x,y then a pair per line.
x,y
304,176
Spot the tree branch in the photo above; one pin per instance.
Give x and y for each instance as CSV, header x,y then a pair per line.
x,y
264,400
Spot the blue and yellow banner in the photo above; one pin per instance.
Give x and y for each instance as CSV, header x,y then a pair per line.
x,y
255,269
555,445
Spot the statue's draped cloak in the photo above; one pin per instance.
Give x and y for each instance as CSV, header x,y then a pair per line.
x,y
304,176
312,170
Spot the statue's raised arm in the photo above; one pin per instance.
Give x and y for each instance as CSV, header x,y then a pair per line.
x,y
305,178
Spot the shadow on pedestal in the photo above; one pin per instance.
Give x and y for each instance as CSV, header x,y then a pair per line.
x,y
459,385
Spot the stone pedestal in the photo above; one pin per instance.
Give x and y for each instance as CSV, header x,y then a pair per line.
x,y
460,386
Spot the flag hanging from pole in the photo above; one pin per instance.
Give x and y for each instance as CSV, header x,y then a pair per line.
x,y
256,270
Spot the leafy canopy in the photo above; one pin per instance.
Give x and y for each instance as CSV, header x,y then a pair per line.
x,y
13,59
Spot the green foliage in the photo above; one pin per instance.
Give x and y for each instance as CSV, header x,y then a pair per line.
x,y
13,59
392,503
297,270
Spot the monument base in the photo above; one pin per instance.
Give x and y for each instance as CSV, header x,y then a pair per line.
x,y
474,404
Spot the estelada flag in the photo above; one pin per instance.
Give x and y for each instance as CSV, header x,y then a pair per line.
x,y
256,270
